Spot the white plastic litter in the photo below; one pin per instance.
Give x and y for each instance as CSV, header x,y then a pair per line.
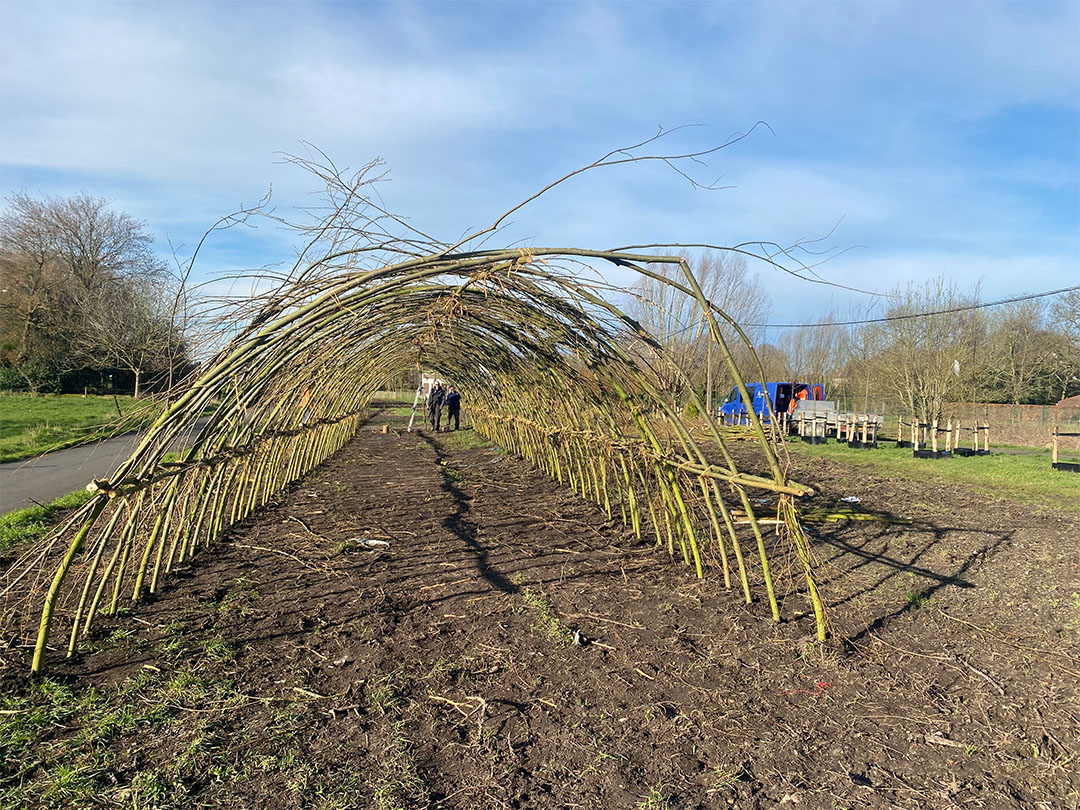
x,y
851,499
368,542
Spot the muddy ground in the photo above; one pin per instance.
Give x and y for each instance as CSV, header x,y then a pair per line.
x,y
297,667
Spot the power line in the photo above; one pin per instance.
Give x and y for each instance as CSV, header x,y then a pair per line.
x,y
965,308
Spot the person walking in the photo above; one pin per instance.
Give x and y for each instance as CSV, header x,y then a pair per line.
x,y
436,398
453,407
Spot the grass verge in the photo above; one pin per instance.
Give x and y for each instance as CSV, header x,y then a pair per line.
x,y
30,426
1028,479
35,521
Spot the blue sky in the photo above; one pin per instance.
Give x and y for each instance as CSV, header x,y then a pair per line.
x,y
934,137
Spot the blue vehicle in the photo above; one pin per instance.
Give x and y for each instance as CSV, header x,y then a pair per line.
x,y
767,399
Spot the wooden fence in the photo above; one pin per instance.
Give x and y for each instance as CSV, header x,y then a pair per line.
x,y
1031,425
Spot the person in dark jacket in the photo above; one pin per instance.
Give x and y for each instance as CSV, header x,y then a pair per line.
x,y
453,407
435,401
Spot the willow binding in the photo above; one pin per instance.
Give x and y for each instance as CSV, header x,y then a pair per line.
x,y
554,372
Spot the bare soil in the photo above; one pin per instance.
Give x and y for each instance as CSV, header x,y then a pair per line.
x,y
442,670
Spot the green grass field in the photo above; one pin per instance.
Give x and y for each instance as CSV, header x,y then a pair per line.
x,y
1025,478
35,521
30,426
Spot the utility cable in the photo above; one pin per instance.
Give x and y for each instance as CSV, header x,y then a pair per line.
x,y
885,319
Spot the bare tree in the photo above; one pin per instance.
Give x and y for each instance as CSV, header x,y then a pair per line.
x,y
1065,314
676,319
816,352
82,287
922,357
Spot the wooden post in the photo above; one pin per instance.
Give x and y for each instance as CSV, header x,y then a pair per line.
x,y
975,436
914,437
933,435
899,428
1054,447
986,438
948,436
865,427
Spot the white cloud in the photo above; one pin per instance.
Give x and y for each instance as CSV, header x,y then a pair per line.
x,y
177,110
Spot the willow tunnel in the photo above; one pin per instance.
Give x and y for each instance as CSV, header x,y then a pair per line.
x,y
555,371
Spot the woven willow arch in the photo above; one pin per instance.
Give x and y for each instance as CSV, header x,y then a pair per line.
x,y
553,370
553,374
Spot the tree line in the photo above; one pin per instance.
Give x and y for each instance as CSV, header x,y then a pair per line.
x,y
911,350
85,302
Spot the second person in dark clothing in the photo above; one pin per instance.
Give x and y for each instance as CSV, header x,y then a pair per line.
x,y
453,407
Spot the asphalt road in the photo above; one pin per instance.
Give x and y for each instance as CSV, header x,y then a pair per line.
x,y
53,475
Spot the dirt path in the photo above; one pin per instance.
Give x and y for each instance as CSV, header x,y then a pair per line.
x,y
441,671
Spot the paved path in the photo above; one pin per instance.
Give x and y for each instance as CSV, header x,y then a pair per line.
x,y
53,475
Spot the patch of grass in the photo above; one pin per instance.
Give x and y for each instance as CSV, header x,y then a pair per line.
x,y
36,521
239,596
217,649
466,439
656,798
543,612
399,785
120,633
1027,479
58,742
345,793
918,600
30,426
724,779
388,692
393,396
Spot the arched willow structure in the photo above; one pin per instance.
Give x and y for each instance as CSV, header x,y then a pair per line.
x,y
553,372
